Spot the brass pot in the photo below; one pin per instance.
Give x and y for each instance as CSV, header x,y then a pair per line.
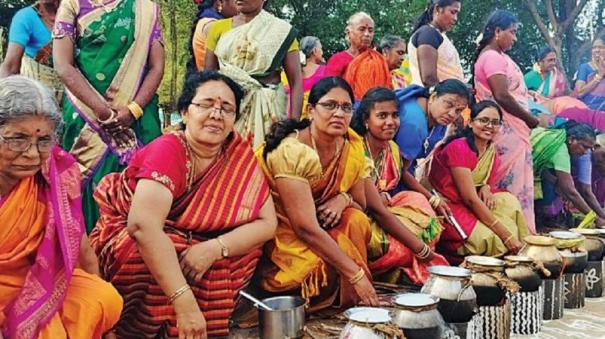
x,y
524,272
542,249
488,272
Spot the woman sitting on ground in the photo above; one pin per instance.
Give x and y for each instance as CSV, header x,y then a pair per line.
x,y
179,219
316,167
47,268
377,120
552,151
485,221
426,115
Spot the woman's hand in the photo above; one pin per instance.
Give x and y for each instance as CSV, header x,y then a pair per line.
x,y
190,320
197,259
120,122
485,193
443,209
366,292
329,213
513,245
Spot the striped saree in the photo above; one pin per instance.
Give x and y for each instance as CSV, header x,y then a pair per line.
x,y
228,194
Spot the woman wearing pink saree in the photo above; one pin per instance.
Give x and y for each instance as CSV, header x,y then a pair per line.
x,y
498,78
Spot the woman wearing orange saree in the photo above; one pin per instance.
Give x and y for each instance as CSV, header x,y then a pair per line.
x,y
377,120
47,268
197,197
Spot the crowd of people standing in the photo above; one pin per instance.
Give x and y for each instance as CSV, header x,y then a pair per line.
x,y
290,173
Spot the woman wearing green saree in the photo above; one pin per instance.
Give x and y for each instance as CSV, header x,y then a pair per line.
x,y
110,55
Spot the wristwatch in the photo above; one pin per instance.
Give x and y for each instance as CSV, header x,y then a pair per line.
x,y
224,248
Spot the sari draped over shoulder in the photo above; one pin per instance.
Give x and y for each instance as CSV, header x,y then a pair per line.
x,y
475,237
387,256
545,144
113,43
247,53
42,227
292,264
367,70
228,194
448,62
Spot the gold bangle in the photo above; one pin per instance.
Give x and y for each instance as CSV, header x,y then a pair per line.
x,y
493,223
424,253
178,293
348,198
508,239
357,277
135,109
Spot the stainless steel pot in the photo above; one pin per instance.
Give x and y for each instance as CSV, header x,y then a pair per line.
x,y
452,285
575,262
362,321
417,315
287,320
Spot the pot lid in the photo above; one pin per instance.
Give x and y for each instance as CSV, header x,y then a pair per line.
x,y
371,315
519,258
484,261
539,240
450,271
565,235
415,300
586,231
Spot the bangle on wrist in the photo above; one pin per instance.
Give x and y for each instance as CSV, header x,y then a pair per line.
x,y
424,253
135,109
493,223
508,239
111,116
178,293
357,277
348,198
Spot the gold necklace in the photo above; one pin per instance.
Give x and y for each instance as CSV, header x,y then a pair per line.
x,y
315,146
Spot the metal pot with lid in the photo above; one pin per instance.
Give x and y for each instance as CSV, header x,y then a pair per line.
x,y
489,281
571,248
369,323
542,249
453,287
593,243
417,315
524,271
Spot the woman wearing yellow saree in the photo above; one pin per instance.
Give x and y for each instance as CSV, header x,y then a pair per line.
x,y
252,48
488,221
377,120
47,268
110,55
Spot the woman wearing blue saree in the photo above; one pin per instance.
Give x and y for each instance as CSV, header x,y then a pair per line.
x,y
110,56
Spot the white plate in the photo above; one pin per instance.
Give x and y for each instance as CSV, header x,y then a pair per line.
x,y
565,235
371,315
450,271
415,300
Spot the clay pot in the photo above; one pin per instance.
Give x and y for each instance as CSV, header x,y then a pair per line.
x,y
593,244
487,273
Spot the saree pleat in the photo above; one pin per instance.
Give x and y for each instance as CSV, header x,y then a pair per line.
x,y
228,194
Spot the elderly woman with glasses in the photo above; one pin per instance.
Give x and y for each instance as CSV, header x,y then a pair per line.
x,y
47,268
187,217
486,221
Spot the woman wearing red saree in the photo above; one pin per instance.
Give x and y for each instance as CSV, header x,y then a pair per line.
x,y
197,197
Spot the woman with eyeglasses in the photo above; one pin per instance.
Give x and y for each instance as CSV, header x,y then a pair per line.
x,y
47,268
179,234
554,150
488,221
316,167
